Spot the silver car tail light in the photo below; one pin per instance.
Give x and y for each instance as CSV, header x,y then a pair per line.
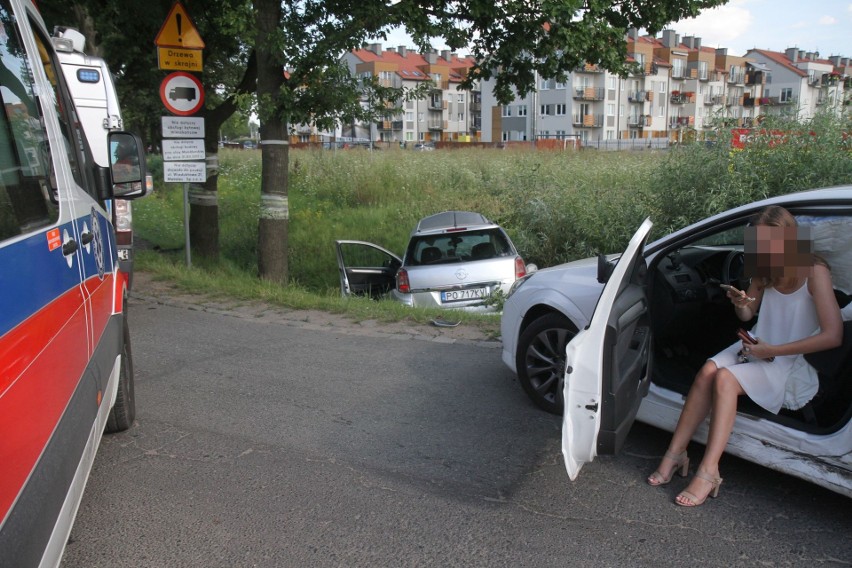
x,y
402,283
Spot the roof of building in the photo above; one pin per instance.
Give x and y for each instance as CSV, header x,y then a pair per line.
x,y
781,59
413,65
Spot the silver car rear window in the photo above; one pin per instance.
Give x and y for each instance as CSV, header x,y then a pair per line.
x,y
452,247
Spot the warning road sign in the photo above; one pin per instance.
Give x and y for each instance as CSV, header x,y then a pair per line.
x,y
178,30
182,93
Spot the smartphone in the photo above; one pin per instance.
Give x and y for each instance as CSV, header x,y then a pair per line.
x,y
735,290
746,336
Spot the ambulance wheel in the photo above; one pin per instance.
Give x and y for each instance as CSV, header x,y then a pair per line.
x,y
123,413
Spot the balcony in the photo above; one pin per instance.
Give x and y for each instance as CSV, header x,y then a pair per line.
x,y
639,121
389,125
437,125
776,101
755,78
476,107
734,100
712,100
588,120
681,122
737,78
681,73
436,103
751,102
588,68
637,96
682,98
589,94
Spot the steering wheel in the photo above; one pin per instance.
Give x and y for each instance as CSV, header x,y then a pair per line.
x,y
733,268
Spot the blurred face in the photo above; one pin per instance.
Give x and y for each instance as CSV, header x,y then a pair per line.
x,y
775,252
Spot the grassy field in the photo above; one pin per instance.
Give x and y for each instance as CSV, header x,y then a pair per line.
x,y
556,206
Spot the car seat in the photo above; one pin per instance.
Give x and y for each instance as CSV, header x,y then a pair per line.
x,y
482,251
430,254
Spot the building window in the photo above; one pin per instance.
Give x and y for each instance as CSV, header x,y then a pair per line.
x,y
560,85
409,115
544,110
663,87
786,95
461,117
610,110
504,136
409,136
560,110
522,110
620,110
437,78
460,98
507,110
662,110
419,117
610,134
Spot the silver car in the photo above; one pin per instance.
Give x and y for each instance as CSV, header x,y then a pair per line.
x,y
604,344
454,259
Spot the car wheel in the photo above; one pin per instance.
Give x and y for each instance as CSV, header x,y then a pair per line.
x,y
541,360
123,412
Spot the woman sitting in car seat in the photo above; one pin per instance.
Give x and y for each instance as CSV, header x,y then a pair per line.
x,y
799,314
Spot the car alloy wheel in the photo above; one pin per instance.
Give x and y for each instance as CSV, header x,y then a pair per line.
x,y
541,360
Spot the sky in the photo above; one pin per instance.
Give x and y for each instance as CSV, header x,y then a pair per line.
x,y
810,25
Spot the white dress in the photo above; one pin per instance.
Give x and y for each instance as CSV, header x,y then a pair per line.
x,y
788,381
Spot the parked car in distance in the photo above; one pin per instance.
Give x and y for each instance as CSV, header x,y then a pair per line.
x,y
424,146
454,259
572,338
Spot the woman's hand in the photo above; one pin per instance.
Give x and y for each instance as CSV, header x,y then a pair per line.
x,y
759,350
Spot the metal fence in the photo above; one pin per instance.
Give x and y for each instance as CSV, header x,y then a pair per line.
x,y
628,144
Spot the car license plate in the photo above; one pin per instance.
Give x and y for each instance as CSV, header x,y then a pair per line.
x,y
461,295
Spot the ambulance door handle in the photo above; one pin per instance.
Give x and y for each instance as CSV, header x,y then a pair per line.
x,y
70,247
87,237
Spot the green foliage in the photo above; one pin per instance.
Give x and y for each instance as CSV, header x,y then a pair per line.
x,y
781,156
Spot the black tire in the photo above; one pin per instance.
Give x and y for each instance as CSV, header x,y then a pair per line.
x,y
540,360
123,413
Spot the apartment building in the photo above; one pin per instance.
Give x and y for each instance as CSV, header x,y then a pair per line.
x,y
445,114
800,84
680,88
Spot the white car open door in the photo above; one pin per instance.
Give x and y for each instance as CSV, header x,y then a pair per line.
x,y
607,371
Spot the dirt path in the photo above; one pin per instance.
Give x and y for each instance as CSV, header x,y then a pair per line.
x,y
147,289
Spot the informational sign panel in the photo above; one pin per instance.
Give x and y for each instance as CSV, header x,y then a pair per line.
x,y
182,93
182,127
190,172
173,58
180,149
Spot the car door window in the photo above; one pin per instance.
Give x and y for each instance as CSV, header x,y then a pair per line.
x,y
27,202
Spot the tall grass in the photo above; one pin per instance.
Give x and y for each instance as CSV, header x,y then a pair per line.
x,y
555,206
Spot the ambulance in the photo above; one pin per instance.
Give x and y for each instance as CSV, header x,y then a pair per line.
x,y
66,371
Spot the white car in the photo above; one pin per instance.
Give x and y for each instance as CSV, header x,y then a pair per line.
x,y
630,349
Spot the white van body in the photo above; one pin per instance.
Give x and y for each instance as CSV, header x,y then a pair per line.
x,y
93,90
66,372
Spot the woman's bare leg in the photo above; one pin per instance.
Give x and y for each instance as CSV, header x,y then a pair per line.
x,y
695,410
726,390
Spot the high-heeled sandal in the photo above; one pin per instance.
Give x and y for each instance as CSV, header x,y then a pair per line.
x,y
692,500
681,460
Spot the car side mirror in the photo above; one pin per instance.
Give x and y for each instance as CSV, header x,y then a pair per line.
x,y
605,268
128,172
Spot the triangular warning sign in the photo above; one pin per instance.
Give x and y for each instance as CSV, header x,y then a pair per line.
x,y
178,30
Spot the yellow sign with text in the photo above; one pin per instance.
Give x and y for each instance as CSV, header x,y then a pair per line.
x,y
179,59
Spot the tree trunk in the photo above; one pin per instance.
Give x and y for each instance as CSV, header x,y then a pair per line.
x,y
204,199
274,212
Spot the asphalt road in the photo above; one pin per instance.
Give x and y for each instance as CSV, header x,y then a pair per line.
x,y
265,444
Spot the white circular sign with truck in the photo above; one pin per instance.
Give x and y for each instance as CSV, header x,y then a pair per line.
x,y
182,93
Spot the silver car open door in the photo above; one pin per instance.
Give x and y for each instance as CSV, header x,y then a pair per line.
x,y
607,363
366,269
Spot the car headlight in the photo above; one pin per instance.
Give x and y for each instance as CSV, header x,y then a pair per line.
x,y
517,284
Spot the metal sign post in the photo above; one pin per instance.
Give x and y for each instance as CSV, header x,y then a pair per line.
x,y
186,224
